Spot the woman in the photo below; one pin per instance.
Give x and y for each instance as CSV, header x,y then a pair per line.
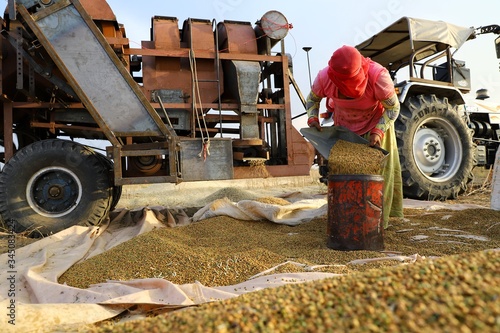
x,y
361,96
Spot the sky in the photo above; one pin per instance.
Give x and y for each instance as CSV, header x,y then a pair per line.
x,y
326,25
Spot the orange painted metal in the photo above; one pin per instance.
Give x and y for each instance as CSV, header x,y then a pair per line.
x,y
237,37
98,10
355,212
165,31
162,69
174,73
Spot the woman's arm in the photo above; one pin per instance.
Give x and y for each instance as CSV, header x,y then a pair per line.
x,y
312,108
391,112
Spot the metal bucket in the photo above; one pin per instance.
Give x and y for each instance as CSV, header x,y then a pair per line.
x,y
355,219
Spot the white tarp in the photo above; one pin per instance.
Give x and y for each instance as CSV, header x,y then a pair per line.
x,y
438,31
250,210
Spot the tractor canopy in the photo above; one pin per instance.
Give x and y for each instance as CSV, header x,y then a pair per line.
x,y
410,39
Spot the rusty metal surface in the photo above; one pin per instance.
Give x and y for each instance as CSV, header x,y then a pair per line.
x,y
173,71
198,35
165,32
237,37
257,126
98,9
124,174
355,210
8,130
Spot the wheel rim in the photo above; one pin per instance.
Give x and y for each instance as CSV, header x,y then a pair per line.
x,y
437,149
54,192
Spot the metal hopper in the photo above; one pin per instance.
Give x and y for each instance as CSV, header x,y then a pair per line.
x,y
323,141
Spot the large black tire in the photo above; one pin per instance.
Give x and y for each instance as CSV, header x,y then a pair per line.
x,y
435,149
117,189
21,139
54,184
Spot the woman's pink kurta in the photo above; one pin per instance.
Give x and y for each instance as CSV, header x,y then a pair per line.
x,y
362,114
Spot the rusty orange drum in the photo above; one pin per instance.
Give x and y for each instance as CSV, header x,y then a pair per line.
x,y
355,212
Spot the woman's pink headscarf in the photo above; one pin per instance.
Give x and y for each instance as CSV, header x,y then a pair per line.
x,y
348,69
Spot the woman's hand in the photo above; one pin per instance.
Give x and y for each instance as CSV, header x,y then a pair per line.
x,y
375,139
314,122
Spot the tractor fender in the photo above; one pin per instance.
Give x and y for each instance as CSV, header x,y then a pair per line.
x,y
410,89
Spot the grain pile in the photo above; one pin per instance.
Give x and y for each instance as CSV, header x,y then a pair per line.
x,y
233,194
258,169
217,251
273,201
348,158
452,294
225,251
458,292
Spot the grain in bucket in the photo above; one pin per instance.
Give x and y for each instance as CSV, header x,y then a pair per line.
x,y
355,197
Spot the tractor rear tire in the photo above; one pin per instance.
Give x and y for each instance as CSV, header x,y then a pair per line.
x,y
54,184
435,149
